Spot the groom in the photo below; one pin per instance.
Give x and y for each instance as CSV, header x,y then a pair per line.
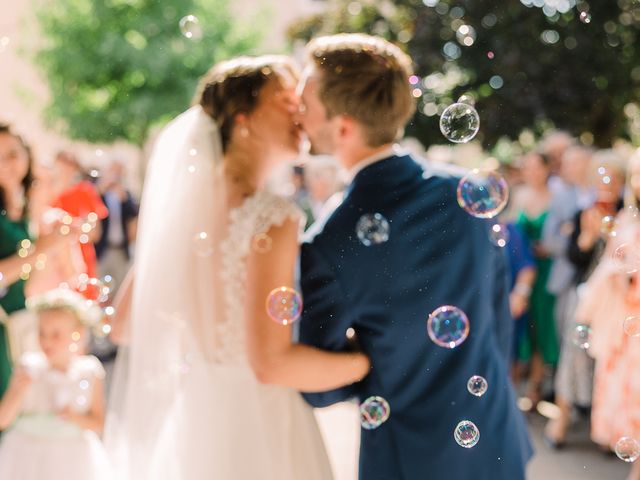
x,y
355,100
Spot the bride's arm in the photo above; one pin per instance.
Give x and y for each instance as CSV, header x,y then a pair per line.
x,y
273,356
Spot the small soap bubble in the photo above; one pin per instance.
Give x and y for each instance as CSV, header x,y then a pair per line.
x,y
467,99
482,194
448,326
261,243
374,411
608,225
466,434
190,27
631,326
372,229
585,17
499,235
284,305
477,385
203,244
627,258
581,336
459,122
94,288
627,449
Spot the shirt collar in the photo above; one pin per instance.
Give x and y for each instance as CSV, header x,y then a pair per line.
x,y
394,150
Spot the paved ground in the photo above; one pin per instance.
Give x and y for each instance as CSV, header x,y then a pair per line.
x,y
579,460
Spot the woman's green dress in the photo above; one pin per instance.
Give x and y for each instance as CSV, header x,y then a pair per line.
x,y
11,298
544,336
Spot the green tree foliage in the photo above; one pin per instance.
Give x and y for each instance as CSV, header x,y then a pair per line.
x,y
117,67
529,64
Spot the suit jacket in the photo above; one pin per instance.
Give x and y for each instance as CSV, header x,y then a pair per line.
x,y
436,255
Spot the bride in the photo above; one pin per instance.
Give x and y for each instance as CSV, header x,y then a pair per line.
x,y
207,385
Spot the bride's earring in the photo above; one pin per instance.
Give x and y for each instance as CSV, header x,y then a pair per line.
x,y
244,132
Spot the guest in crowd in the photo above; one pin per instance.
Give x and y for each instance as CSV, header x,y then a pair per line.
x,y
574,378
80,199
113,247
611,307
522,277
55,401
531,205
19,256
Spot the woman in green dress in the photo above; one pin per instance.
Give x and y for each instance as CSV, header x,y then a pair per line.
x,y
17,257
532,203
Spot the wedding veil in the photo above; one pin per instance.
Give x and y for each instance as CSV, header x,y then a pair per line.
x,y
176,296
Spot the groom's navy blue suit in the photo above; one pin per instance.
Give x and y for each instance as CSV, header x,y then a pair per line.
x,y
437,254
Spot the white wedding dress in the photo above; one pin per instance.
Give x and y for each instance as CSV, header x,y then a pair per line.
x,y
186,404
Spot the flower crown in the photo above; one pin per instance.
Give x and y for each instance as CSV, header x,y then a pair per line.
x,y
86,311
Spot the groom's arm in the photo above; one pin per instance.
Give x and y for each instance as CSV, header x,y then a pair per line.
x,y
324,319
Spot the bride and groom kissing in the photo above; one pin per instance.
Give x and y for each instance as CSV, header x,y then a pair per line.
x,y
207,384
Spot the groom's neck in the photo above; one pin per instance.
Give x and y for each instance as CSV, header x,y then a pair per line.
x,y
351,157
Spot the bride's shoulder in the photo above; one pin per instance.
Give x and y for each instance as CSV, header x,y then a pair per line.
x,y
272,209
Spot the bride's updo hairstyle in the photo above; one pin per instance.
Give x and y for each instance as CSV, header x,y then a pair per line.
x,y
233,86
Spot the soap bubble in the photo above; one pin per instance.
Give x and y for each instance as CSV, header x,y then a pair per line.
x,y
459,122
466,434
372,229
190,27
631,326
477,385
203,244
608,225
374,411
284,305
627,258
627,449
499,235
482,194
94,288
581,336
448,326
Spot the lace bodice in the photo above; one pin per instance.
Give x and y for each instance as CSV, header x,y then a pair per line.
x,y
253,218
52,390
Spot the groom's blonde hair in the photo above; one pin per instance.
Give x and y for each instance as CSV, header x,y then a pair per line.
x,y
366,78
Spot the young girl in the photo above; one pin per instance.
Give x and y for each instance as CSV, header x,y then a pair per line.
x,y
53,409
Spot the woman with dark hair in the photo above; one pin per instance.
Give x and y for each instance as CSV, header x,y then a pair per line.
x,y
18,256
211,385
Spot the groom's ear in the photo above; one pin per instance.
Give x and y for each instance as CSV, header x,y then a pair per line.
x,y
347,126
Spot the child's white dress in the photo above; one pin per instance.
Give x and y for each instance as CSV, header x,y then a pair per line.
x,y
42,446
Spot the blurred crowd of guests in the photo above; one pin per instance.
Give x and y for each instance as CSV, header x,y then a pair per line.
x,y
58,225
574,221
